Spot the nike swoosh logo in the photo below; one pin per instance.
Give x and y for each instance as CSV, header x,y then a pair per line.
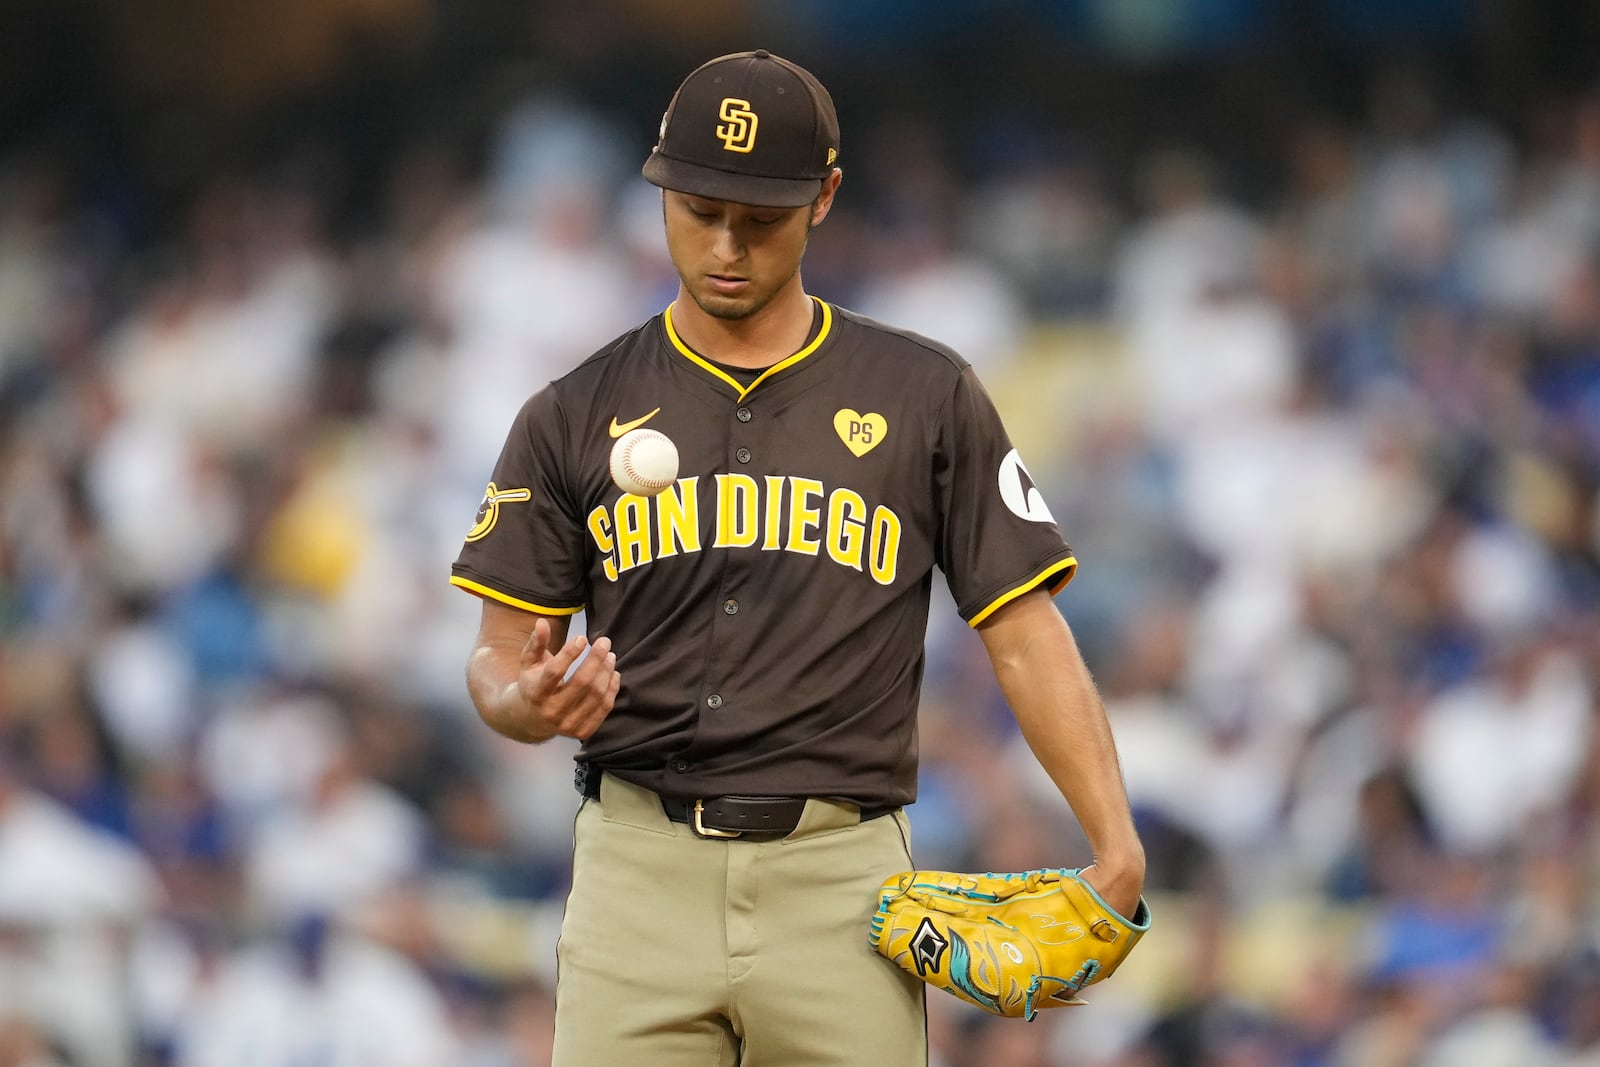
x,y
620,428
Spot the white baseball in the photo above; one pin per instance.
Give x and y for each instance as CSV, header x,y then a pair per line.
x,y
644,462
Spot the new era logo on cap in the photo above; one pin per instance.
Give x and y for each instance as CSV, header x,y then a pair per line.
x,y
750,127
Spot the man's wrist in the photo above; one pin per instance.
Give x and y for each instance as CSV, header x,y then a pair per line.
x,y
1124,868
1118,876
512,716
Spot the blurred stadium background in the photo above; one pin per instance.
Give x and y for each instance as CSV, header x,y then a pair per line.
x,y
1294,308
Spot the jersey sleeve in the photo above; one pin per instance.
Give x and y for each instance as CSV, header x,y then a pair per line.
x,y
996,538
525,547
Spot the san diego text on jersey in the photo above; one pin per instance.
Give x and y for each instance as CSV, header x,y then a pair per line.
x,y
774,513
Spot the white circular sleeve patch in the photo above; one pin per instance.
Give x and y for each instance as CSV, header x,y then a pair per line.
x,y
1018,492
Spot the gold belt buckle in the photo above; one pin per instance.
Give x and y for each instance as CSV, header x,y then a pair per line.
x,y
710,831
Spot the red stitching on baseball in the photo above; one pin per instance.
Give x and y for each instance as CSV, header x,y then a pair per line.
x,y
627,465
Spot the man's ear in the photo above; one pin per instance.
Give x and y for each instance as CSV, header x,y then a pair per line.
x,y
824,201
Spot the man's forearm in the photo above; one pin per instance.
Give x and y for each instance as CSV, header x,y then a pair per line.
x,y
1065,726
1044,679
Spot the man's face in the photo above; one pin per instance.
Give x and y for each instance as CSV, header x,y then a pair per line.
x,y
734,258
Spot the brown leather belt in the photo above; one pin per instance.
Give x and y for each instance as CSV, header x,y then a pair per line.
x,y
728,816
736,816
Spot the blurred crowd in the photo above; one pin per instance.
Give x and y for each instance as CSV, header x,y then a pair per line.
x,y
1328,454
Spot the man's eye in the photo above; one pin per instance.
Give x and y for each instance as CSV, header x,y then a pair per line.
x,y
773,221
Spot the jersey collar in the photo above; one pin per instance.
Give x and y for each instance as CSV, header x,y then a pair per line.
x,y
717,372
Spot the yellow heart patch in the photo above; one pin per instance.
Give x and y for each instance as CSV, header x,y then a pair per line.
x,y
860,433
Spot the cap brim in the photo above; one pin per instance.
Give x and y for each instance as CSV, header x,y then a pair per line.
x,y
712,184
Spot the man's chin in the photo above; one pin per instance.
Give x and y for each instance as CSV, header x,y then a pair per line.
x,y
719,306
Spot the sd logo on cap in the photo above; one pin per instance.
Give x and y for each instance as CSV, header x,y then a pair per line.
x,y
750,127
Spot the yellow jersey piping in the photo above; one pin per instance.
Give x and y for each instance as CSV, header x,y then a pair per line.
x,y
1069,566
494,594
745,390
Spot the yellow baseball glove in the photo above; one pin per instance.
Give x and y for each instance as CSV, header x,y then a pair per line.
x,y
1009,943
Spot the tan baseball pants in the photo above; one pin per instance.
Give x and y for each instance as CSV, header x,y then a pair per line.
x,y
683,951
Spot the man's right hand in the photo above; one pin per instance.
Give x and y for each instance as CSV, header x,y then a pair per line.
x,y
522,679
565,706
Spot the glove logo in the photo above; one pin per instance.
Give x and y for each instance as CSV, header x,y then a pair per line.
x,y
927,947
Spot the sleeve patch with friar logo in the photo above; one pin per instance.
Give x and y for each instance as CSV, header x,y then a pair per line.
x,y
489,509
860,433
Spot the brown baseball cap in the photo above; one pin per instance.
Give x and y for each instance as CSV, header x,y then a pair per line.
x,y
750,127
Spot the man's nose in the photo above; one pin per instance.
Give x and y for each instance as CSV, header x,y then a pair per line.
x,y
727,247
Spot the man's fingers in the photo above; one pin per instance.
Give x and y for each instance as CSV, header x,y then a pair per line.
x,y
591,692
537,648
595,672
553,668
595,712
574,700
605,675
563,660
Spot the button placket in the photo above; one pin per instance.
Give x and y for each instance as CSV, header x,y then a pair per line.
x,y
730,606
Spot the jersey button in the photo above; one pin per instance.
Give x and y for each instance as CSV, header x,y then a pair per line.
x,y
743,415
714,701
743,455
730,607
681,766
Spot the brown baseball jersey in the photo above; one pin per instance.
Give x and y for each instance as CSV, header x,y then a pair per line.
x,y
768,610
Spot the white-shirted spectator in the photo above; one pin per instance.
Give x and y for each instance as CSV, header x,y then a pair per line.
x,y
932,287
264,751
70,896
144,684
1494,754
335,845
526,295
166,515
320,996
